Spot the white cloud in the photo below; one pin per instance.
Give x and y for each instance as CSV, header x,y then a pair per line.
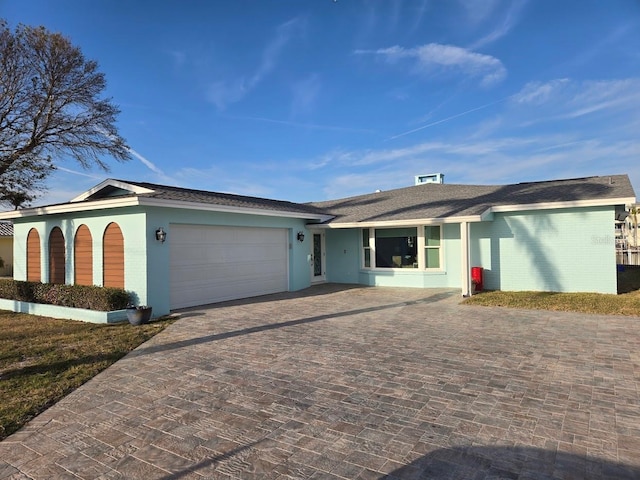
x,y
602,46
447,119
478,11
82,174
352,184
510,19
495,161
224,92
563,99
418,14
537,93
273,50
147,163
593,96
438,58
393,155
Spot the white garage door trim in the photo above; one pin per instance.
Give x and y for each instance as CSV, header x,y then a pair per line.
x,y
210,264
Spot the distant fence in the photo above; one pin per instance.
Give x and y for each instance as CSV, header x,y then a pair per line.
x,y
628,257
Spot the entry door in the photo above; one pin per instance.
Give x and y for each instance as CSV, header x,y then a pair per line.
x,y
318,258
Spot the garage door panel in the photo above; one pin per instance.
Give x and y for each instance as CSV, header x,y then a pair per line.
x,y
212,264
245,271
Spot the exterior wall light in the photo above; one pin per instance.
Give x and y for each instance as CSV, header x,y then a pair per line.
x,y
161,235
300,236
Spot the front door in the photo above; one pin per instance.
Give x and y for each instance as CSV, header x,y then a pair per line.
x,y
318,258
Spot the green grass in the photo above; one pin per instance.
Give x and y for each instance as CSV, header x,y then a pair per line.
x,y
43,359
627,302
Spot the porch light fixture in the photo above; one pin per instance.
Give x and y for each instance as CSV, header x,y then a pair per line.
x,y
300,236
161,235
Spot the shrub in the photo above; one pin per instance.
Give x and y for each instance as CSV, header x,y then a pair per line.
x,y
89,297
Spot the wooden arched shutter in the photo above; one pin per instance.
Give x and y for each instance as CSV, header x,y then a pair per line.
x,y
83,256
113,256
56,256
33,256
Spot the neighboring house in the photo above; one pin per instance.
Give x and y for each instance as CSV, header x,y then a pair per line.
x,y
174,247
628,236
631,228
6,248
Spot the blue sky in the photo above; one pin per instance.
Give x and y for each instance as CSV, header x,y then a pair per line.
x,y
309,100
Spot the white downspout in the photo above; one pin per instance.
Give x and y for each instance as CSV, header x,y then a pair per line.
x,y
465,253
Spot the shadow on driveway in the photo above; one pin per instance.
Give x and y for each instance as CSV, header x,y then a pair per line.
x,y
510,463
290,323
313,291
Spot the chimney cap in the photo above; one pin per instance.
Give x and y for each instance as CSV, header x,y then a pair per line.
x,y
429,178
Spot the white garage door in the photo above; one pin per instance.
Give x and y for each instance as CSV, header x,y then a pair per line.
x,y
213,264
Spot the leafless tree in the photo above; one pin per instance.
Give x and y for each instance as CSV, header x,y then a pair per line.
x,y
50,108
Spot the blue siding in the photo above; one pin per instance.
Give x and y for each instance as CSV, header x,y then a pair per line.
x,y
554,250
147,260
567,250
132,222
158,253
343,255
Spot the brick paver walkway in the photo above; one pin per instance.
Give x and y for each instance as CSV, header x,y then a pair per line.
x,y
337,382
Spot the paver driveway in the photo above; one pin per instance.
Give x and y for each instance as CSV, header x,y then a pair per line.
x,y
339,382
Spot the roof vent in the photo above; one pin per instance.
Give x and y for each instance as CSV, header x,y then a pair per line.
x,y
430,178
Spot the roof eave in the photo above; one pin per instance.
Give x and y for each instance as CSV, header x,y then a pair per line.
x,y
604,202
404,223
114,202
159,202
487,215
118,202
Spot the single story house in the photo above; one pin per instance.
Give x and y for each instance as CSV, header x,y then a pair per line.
x,y
6,248
176,247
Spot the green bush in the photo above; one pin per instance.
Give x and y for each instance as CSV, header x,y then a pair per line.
x,y
89,297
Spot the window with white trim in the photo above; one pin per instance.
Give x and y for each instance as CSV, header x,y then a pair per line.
x,y
366,246
432,245
402,247
396,247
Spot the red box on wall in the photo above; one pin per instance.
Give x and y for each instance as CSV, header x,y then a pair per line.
x,y
477,278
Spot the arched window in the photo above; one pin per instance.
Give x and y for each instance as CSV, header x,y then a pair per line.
x,y
83,256
56,256
113,257
33,256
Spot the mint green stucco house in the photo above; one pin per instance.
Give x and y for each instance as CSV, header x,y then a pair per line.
x,y
174,247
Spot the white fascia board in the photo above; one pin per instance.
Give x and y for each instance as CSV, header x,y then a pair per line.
x,y
488,214
115,202
402,223
111,183
211,207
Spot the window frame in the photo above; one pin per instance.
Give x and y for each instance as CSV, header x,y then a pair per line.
x,y
421,250
370,247
425,247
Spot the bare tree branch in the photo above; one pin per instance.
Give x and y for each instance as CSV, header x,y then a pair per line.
x,y
50,107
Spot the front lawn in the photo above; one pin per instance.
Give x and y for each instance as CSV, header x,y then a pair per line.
x,y
627,302
43,359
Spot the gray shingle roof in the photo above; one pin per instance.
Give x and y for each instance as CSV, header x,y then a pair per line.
x,y
165,192
425,201
444,200
6,229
